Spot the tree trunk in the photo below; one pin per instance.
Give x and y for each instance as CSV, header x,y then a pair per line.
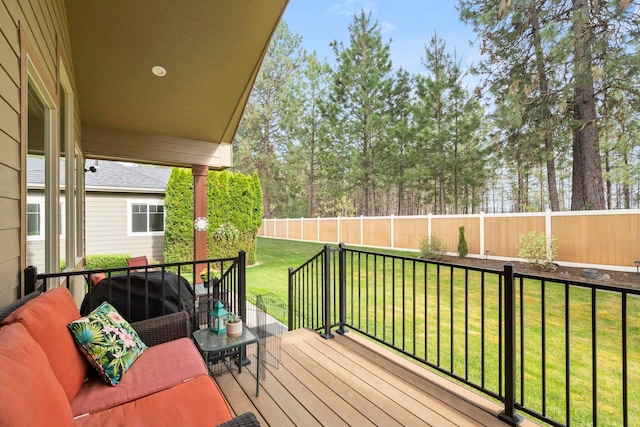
x,y
588,190
266,173
546,112
312,172
626,191
607,169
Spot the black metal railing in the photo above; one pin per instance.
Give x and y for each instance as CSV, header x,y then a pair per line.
x,y
564,352
180,282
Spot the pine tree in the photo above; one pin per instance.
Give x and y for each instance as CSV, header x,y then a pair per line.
x,y
261,143
551,66
358,106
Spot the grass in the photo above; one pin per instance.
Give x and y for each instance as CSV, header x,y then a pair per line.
x,y
430,320
275,256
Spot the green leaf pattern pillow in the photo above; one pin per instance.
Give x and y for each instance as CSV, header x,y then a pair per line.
x,y
108,341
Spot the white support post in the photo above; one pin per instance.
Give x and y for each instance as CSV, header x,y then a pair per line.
x,y
547,227
393,240
482,253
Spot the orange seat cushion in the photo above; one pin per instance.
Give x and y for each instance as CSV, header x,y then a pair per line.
x,y
46,318
30,394
158,368
195,403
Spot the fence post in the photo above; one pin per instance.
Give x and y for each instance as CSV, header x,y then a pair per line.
x,y
326,291
509,415
342,277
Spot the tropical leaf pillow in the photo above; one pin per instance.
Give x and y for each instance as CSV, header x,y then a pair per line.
x,y
108,341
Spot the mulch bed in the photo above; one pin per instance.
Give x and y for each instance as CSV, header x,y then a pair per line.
x,y
604,277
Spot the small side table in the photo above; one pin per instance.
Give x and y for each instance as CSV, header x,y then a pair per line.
x,y
211,343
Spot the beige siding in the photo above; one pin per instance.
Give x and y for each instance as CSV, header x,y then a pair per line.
x,y
107,227
35,27
10,159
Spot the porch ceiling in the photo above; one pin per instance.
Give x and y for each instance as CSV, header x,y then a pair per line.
x,y
212,51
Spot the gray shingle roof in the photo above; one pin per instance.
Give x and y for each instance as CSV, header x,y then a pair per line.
x,y
108,174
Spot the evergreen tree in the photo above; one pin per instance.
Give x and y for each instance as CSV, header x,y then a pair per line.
x,y
397,159
358,107
262,144
448,148
307,130
551,66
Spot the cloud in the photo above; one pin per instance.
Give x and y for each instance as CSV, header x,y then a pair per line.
x,y
351,7
387,27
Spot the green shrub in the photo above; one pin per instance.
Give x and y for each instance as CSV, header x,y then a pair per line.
x,y
96,262
234,212
433,248
533,249
463,250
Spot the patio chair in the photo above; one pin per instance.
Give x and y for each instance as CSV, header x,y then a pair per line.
x,y
138,261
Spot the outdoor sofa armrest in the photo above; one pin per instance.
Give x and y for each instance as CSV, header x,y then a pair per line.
x,y
6,311
245,420
163,328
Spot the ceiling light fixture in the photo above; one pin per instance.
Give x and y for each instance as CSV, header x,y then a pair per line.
x,y
159,71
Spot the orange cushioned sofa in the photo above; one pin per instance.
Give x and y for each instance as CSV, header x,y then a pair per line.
x,y
46,380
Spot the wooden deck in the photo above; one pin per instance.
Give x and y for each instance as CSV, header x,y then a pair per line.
x,y
349,381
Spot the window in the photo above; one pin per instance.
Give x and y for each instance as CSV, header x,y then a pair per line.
x,y
34,220
147,217
41,142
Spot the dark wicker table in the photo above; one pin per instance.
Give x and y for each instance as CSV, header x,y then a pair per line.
x,y
212,344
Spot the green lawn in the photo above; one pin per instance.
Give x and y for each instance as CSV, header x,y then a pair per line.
x,y
274,257
440,307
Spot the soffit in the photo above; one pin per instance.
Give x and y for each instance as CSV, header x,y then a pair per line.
x,y
211,50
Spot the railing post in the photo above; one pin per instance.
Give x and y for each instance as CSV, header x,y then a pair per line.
x,y
290,300
242,285
30,281
342,277
509,415
326,291
242,301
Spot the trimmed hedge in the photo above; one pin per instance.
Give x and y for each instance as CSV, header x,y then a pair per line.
x,y
234,202
95,262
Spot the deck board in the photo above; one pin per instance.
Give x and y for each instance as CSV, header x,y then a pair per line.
x,y
349,381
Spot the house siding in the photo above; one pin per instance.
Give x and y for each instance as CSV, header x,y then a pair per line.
x,y
107,226
42,23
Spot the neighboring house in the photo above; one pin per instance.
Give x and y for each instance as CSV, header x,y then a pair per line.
x,y
124,211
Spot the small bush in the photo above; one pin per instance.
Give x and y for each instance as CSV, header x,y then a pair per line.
x,y
463,250
433,248
225,232
533,249
95,262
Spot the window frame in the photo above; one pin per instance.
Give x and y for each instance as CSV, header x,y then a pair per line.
x,y
147,203
38,200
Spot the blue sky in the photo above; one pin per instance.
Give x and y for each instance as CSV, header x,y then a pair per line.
x,y
408,23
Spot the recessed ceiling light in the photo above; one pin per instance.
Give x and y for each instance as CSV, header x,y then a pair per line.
x,y
159,71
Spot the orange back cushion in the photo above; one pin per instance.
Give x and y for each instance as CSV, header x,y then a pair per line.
x,y
30,394
46,318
